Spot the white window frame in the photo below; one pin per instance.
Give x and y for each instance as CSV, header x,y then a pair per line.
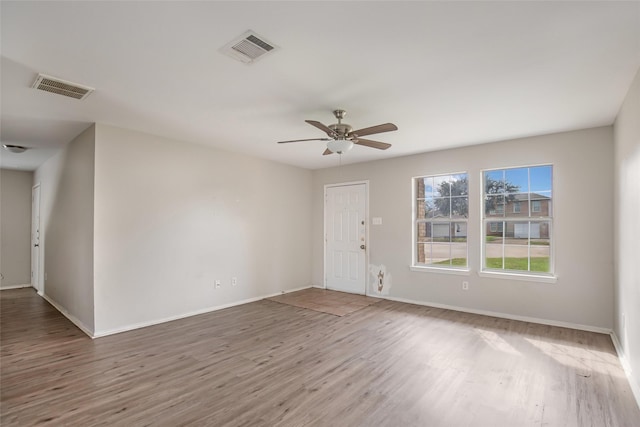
x,y
516,204
415,266
548,277
536,206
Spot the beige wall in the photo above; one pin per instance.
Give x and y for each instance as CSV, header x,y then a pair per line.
x,y
627,232
66,211
172,217
15,227
583,176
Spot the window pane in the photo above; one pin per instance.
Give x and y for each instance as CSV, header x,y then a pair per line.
x,y
441,186
460,207
440,242
520,246
541,203
439,208
494,182
424,187
423,231
493,244
423,208
517,180
540,177
494,205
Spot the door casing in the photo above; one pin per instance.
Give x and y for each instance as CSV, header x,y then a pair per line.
x,y
36,238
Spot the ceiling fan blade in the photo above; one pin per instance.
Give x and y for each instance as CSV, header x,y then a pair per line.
x,y
387,127
327,151
323,128
372,144
301,140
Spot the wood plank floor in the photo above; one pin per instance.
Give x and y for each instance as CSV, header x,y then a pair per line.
x,y
326,301
270,364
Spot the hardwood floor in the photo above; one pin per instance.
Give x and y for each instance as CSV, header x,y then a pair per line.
x,y
326,301
270,364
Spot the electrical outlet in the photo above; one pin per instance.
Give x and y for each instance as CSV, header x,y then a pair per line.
x,y
465,285
218,283
234,281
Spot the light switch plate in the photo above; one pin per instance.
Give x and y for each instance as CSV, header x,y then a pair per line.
x,y
376,220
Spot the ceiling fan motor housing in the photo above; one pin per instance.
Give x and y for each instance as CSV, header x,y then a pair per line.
x,y
342,129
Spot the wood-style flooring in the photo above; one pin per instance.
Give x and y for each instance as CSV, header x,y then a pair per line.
x,y
271,364
326,301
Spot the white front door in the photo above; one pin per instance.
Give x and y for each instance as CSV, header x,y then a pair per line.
x,y
35,238
345,238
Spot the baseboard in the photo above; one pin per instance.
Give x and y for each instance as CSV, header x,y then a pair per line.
x,y
5,288
502,315
68,315
635,387
192,313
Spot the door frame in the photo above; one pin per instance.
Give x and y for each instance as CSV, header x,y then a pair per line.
x,y
324,231
36,282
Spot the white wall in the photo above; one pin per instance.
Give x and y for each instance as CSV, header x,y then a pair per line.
x,y
15,227
66,212
627,232
172,217
583,237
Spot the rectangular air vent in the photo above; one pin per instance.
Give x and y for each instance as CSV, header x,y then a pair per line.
x,y
248,48
61,87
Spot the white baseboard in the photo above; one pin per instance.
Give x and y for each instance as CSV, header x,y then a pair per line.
x,y
99,334
68,315
635,387
26,285
502,315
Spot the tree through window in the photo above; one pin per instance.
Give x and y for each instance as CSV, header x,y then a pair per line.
x,y
440,226
517,220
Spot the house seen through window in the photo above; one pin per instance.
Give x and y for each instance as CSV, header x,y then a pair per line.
x,y
440,226
518,220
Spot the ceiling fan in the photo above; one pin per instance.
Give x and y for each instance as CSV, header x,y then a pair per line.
x,y
342,137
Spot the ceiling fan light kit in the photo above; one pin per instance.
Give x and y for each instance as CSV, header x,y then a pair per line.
x,y
339,145
342,137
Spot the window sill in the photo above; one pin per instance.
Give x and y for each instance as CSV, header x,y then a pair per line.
x,y
516,276
425,269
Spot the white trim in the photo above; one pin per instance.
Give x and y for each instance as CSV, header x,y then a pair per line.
x,y
550,218
68,315
38,282
192,313
518,276
559,323
635,387
415,220
366,231
443,270
24,285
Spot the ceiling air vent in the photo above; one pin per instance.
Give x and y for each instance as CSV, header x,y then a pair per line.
x,y
248,48
61,87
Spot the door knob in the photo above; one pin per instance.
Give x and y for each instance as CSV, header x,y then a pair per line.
x,y
362,246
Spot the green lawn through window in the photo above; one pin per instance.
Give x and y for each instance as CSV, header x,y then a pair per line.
x,y
519,264
537,264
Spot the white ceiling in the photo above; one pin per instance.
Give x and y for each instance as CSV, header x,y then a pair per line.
x,y
446,73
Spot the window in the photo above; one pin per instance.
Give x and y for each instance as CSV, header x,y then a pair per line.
x,y
536,206
518,239
495,227
440,226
